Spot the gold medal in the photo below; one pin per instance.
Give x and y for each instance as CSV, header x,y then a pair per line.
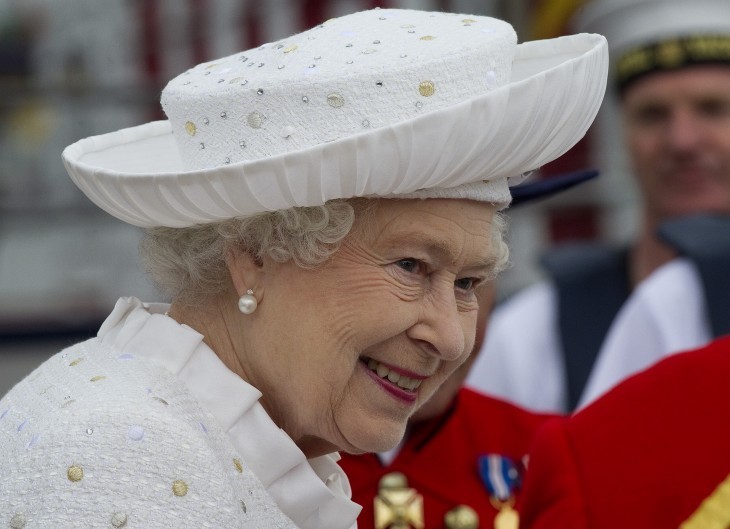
x,y
397,506
462,517
507,517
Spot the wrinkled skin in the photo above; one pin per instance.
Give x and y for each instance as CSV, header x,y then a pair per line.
x,y
400,291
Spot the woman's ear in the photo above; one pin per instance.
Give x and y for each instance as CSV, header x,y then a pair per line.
x,y
246,272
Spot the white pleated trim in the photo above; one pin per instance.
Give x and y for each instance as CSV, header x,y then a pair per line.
x,y
313,493
556,89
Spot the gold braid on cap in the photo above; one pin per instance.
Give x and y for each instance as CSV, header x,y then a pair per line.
x,y
671,54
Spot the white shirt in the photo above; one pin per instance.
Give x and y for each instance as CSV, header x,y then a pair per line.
x,y
665,314
522,361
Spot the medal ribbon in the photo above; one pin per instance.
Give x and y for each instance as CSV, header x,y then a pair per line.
x,y
500,475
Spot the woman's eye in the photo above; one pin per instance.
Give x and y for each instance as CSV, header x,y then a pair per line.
x,y
409,265
465,283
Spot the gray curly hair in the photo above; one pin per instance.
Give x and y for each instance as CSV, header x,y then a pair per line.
x,y
188,264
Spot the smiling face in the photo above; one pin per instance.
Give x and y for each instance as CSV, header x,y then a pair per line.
x,y
345,353
678,132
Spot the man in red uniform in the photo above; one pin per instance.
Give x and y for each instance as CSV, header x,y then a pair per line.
x,y
651,453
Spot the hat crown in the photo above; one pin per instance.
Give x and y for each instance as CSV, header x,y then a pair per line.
x,y
345,77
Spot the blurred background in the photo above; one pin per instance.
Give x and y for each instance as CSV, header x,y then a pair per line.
x,y
75,68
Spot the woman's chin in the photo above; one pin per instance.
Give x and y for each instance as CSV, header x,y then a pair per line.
x,y
377,440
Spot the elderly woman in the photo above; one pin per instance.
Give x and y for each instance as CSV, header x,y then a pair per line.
x,y
320,211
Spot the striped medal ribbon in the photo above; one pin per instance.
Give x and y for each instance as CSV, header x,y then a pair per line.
x,y
502,477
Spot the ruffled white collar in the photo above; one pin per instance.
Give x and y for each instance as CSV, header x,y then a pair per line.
x,y
313,493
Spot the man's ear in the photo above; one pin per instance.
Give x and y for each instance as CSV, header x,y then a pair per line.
x,y
246,272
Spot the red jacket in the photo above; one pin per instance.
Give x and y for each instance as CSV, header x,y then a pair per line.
x,y
440,456
646,455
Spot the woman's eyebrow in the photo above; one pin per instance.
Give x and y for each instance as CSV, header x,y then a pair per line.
x,y
446,251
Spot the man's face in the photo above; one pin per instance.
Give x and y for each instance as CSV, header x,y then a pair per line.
x,y
678,133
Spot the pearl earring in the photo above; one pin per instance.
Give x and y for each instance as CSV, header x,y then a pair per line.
x,y
247,303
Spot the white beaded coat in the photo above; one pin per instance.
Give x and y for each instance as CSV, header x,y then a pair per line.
x,y
144,427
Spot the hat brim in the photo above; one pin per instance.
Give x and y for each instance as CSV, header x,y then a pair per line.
x,y
533,191
557,86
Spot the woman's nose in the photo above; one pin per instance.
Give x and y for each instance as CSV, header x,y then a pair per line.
x,y
442,326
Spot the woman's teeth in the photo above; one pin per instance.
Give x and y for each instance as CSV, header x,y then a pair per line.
x,y
399,380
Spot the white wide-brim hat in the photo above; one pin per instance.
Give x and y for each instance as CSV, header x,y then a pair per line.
x,y
382,103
